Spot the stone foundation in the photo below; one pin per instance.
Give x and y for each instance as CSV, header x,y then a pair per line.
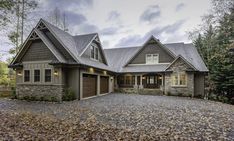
x,y
39,92
139,91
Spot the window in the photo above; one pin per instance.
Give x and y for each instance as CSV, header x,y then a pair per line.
x,y
26,75
179,79
47,75
37,75
94,52
152,58
128,80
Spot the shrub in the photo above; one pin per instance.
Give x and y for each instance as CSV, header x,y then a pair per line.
x,y
168,93
69,95
32,98
26,98
54,99
42,98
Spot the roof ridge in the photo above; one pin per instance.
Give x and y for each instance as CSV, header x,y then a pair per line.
x,y
85,34
173,43
55,26
122,48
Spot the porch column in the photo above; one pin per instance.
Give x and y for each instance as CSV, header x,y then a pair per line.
x,y
135,85
115,82
141,86
162,77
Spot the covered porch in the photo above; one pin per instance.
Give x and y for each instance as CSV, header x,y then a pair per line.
x,y
141,81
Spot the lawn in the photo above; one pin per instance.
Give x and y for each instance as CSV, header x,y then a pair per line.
x,y
118,117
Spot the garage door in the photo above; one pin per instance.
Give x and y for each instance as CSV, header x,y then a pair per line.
x,y
89,85
104,84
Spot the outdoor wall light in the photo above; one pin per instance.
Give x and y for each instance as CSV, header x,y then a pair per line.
x,y
91,70
160,77
143,77
19,73
104,72
56,73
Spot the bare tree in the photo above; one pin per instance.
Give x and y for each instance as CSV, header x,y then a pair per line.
x,y
58,18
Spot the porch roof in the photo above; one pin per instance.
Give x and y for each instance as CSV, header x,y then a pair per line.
x,y
145,68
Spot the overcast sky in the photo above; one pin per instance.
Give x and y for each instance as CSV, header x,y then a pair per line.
x,y
124,23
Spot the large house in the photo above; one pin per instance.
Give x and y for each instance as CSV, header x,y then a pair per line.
x,y
52,61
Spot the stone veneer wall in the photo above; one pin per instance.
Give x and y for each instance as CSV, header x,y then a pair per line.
x,y
179,90
40,92
180,66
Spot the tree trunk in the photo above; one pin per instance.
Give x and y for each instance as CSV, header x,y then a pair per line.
x,y
17,27
22,23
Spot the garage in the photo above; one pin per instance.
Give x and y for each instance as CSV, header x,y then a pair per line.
x,y
89,85
104,84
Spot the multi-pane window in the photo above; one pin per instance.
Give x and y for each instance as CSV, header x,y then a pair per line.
x,y
37,76
179,79
26,75
128,80
47,75
152,58
94,52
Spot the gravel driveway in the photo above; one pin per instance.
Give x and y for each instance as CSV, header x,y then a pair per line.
x,y
191,118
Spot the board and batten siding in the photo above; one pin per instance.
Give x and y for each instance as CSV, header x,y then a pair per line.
x,y
55,80
199,84
164,57
38,51
72,76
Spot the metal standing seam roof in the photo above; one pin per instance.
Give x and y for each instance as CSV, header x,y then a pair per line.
x,y
118,57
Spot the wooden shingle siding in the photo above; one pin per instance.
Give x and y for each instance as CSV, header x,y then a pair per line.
x,y
59,47
164,57
38,51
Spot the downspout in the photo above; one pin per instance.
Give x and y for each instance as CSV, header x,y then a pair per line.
x,y
79,84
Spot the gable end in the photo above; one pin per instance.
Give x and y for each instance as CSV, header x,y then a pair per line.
x,y
152,46
180,64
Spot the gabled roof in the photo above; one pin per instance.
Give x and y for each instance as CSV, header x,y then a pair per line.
x,y
181,57
82,41
187,51
75,45
152,38
116,58
64,38
190,53
45,41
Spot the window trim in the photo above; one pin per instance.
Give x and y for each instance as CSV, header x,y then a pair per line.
x,y
51,75
152,59
95,52
34,76
24,76
178,74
